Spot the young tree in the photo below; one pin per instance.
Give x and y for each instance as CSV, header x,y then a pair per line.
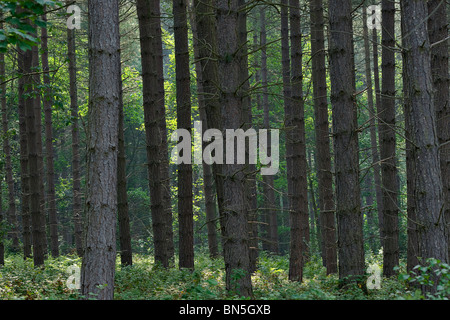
x,y
99,256
322,128
183,83
428,195
348,211
387,121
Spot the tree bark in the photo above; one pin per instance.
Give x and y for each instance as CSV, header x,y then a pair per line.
x,y
154,113
438,32
322,129
185,204
348,211
76,176
234,215
387,138
99,257
299,217
428,195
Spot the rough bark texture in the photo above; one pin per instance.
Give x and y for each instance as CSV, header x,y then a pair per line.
x,y
299,217
387,137
151,52
76,176
322,128
438,33
48,103
99,257
428,195
234,215
348,211
185,204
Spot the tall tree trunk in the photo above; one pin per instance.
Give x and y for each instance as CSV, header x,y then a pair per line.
x,y
126,255
24,173
387,138
2,238
299,217
428,195
372,113
438,32
268,181
348,211
208,181
183,84
234,215
48,103
376,80
322,129
11,214
151,53
76,176
99,256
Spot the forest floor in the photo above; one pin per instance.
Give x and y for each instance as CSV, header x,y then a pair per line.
x,y
19,280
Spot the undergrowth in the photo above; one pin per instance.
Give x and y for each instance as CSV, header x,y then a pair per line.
x,y
145,280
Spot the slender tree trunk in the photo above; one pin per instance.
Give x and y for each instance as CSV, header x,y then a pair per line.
x,y
428,195
348,211
151,52
76,176
234,215
126,255
208,181
299,217
376,80
24,173
372,113
438,32
11,214
322,129
388,142
48,103
2,238
185,204
99,257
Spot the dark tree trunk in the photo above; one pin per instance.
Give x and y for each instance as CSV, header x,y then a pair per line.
x,y
76,176
24,173
126,255
11,214
387,138
438,32
348,211
208,181
99,257
428,195
270,215
322,129
185,204
234,215
299,217
151,52
48,103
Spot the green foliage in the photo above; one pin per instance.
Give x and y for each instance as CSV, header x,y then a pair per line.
x,y
425,276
